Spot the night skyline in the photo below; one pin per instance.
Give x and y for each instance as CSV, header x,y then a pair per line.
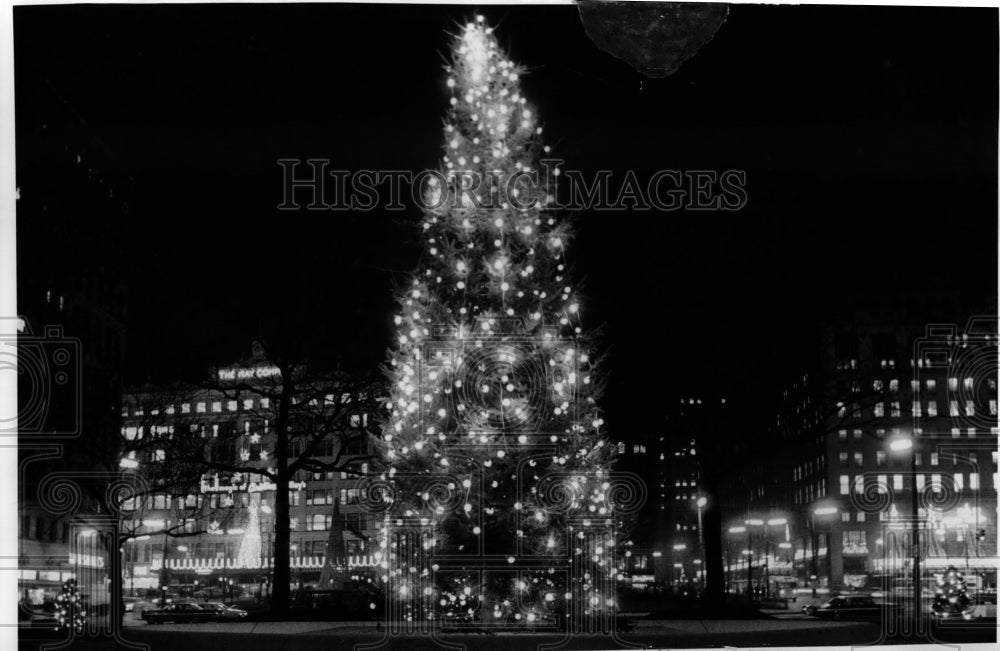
x,y
187,123
493,403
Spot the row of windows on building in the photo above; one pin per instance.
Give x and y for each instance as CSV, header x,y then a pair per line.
x,y
888,363
881,458
968,384
320,497
44,529
894,409
138,432
218,406
148,552
880,433
900,482
810,492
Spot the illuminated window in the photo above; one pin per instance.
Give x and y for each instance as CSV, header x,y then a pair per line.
x,y
970,408
953,384
915,386
265,403
861,516
974,481
857,435
845,517
934,458
859,459
844,485
895,409
216,406
248,403
842,434
859,484
894,385
879,410
968,384
200,408
920,482
897,482
959,481
936,484
955,432
931,385
843,459
993,407
931,408
879,458
231,405
883,484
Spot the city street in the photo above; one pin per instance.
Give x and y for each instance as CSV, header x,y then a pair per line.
x,y
787,630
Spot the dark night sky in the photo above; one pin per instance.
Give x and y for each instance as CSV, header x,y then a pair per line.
x,y
868,136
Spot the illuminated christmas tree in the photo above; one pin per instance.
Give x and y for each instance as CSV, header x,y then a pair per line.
x,y
249,554
494,449
70,614
950,598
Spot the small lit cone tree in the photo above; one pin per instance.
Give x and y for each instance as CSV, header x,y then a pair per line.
x,y
493,444
70,614
950,597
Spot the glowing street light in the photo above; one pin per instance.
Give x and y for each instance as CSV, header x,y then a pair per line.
x,y
737,529
775,522
901,444
680,546
825,510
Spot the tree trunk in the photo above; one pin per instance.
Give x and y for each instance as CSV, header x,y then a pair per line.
x,y
281,577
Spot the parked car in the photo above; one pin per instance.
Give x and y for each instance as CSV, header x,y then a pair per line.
x,y
983,608
178,612
224,613
851,607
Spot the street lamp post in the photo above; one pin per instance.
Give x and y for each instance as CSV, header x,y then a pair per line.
x,y
821,511
747,553
773,522
904,444
701,541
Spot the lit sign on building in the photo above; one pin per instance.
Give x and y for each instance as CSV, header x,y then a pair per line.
x,y
254,373
246,487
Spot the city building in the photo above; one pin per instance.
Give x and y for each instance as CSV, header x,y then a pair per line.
x,y
214,532
667,539
878,414
70,343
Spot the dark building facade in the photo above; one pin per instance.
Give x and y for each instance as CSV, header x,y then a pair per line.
x,y
878,414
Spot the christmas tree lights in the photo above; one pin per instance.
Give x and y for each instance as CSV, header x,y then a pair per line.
x,y
70,614
494,447
950,597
